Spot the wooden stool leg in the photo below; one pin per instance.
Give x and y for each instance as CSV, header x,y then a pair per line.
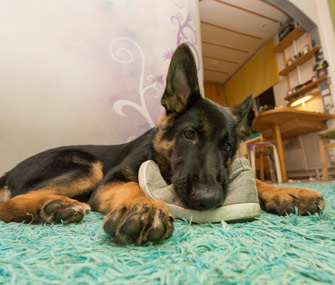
x,y
261,167
323,160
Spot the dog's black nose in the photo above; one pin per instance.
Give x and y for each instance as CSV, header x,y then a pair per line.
x,y
206,200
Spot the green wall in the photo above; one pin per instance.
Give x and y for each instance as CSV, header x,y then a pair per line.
x,y
332,9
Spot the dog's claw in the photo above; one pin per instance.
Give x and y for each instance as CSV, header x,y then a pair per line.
x,y
161,213
145,208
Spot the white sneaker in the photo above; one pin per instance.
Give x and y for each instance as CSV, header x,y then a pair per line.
x,y
241,203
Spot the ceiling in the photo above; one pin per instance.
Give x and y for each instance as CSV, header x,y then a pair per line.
x,y
232,32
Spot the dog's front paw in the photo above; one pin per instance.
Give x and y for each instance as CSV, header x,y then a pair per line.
x,y
282,201
140,222
63,211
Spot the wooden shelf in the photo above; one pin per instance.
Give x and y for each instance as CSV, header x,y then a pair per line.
x,y
294,35
305,89
300,61
315,93
312,88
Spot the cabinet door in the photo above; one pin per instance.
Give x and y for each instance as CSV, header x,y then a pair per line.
x,y
214,92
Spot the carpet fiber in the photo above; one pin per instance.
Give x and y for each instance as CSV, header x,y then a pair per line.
x,y
291,249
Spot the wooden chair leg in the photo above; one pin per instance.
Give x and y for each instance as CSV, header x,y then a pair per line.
x,y
323,160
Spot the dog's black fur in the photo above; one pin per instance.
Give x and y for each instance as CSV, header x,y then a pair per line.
x,y
194,144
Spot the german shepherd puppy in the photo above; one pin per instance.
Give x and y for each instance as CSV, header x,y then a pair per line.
x,y
194,144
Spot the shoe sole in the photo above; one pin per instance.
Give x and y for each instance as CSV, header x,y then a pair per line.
x,y
232,213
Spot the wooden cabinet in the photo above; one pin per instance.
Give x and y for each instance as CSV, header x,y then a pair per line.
x,y
214,92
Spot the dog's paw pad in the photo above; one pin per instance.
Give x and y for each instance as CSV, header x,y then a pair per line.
x,y
111,221
59,211
50,208
139,224
110,226
283,201
156,233
132,226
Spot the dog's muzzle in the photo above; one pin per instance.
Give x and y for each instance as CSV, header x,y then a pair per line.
x,y
206,197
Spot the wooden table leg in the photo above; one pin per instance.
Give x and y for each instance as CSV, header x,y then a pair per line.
x,y
279,145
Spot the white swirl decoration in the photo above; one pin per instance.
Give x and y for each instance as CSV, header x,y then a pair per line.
x,y
124,55
121,55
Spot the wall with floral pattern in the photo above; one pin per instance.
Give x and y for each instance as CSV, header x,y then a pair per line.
x,y
86,72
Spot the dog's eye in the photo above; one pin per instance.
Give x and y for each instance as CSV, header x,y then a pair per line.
x,y
189,134
226,146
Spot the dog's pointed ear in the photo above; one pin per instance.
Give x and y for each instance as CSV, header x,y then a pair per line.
x,y
182,87
240,112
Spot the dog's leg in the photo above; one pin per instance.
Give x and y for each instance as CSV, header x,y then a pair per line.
x,y
53,203
282,201
132,217
42,206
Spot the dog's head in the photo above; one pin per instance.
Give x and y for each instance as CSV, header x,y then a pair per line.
x,y
196,140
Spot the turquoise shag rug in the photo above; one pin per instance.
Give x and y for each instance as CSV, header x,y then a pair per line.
x,y
269,250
